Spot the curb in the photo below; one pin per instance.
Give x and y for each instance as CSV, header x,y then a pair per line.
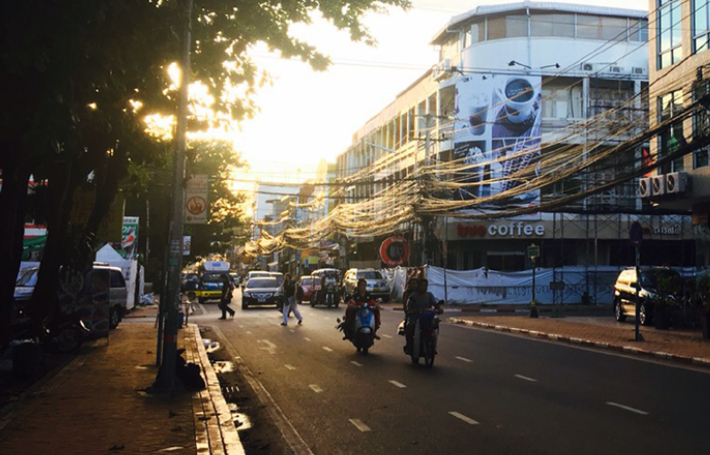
x,y
698,361
214,424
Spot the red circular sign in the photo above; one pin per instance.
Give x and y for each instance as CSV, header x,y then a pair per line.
x,y
394,251
196,205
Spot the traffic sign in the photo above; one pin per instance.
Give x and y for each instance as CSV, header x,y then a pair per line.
x,y
636,233
533,251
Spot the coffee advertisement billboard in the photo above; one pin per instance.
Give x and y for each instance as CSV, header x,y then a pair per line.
x,y
497,138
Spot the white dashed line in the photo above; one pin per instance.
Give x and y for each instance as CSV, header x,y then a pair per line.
x,y
464,359
327,349
248,332
525,378
627,408
290,367
291,330
360,425
357,364
306,338
386,336
398,384
468,420
315,388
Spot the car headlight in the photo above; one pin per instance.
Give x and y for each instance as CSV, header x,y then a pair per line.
x,y
247,295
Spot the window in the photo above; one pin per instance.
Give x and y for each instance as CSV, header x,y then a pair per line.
x,y
701,126
701,24
669,106
477,33
117,280
614,28
669,33
507,26
589,27
638,30
552,25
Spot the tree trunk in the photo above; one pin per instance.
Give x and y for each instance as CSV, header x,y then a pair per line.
x,y
12,223
61,184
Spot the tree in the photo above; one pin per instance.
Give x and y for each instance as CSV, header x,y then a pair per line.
x,y
74,73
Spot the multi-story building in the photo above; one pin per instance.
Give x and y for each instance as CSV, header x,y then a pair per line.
x,y
530,79
679,44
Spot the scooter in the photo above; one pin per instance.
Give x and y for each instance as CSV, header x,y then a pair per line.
x,y
63,334
362,333
329,296
426,335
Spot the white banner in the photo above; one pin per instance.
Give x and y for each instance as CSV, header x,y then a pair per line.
x,y
196,205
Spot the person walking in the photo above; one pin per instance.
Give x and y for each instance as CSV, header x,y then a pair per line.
x,y
226,297
292,297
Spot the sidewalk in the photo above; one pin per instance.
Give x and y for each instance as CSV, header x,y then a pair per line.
x,y
96,404
604,333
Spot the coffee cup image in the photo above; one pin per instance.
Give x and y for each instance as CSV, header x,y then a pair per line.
x,y
519,98
478,106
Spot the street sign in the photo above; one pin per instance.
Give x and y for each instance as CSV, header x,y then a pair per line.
x,y
196,206
533,251
636,233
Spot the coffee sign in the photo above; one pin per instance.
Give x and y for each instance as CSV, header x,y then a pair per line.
x,y
514,229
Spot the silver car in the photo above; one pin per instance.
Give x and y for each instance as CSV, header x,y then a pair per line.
x,y
377,285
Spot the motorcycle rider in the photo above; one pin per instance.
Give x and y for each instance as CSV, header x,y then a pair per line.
x,y
418,302
360,297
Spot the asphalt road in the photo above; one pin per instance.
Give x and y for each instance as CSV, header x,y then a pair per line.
x,y
488,393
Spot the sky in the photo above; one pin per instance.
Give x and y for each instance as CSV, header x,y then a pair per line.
x,y
306,116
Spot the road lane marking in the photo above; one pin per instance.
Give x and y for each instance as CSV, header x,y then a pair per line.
x,y
357,364
290,367
398,384
386,336
270,347
327,349
525,378
627,408
315,388
306,338
291,330
464,359
248,332
360,425
468,420
241,326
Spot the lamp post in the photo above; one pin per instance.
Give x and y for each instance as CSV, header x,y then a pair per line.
x,y
533,254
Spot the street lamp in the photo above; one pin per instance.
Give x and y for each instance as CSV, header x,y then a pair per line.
x,y
533,254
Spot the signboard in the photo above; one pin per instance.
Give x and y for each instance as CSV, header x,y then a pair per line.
x,y
196,205
533,251
497,135
394,251
186,245
129,237
636,233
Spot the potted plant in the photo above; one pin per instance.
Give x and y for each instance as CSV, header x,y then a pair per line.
x,y
702,296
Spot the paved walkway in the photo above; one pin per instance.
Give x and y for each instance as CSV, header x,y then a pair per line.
x,y
603,332
96,404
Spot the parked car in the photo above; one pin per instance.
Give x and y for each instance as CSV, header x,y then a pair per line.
x,y
377,285
102,275
262,291
306,282
254,274
625,292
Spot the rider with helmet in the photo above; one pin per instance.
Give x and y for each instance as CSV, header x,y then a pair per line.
x,y
360,297
418,302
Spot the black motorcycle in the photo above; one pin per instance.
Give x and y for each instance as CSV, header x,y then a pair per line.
x,y
64,333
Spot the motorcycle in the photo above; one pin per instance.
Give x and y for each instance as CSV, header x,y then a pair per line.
x,y
426,335
64,334
362,332
329,295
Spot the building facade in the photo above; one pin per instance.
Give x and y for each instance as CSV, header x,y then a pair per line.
x,y
517,83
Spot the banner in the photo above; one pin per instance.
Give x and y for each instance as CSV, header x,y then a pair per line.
x,y
186,245
196,205
129,238
497,135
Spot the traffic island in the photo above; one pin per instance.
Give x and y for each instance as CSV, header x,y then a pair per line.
x,y
681,346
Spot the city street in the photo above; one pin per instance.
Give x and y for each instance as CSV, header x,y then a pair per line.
x,y
487,393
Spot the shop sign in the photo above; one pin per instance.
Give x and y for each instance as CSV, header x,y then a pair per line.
x,y
394,251
668,230
514,229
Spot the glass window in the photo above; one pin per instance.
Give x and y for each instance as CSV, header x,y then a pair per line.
x,y
701,125
669,46
638,30
701,24
589,27
496,28
507,26
117,280
477,34
552,25
669,106
614,28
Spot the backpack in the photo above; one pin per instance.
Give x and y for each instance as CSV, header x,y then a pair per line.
x,y
299,292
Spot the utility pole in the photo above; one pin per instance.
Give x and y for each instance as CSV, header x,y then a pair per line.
x,y
166,374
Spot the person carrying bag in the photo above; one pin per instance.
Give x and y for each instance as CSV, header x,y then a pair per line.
x,y
293,297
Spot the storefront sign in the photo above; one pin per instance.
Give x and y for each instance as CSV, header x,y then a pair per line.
x,y
513,229
668,230
394,251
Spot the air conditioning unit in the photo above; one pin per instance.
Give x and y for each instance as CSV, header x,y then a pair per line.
x,y
658,185
638,70
587,67
442,70
615,69
677,182
645,187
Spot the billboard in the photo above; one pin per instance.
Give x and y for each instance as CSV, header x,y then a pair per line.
x,y
497,136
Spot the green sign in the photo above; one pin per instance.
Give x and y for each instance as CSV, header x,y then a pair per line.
x,y
533,251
